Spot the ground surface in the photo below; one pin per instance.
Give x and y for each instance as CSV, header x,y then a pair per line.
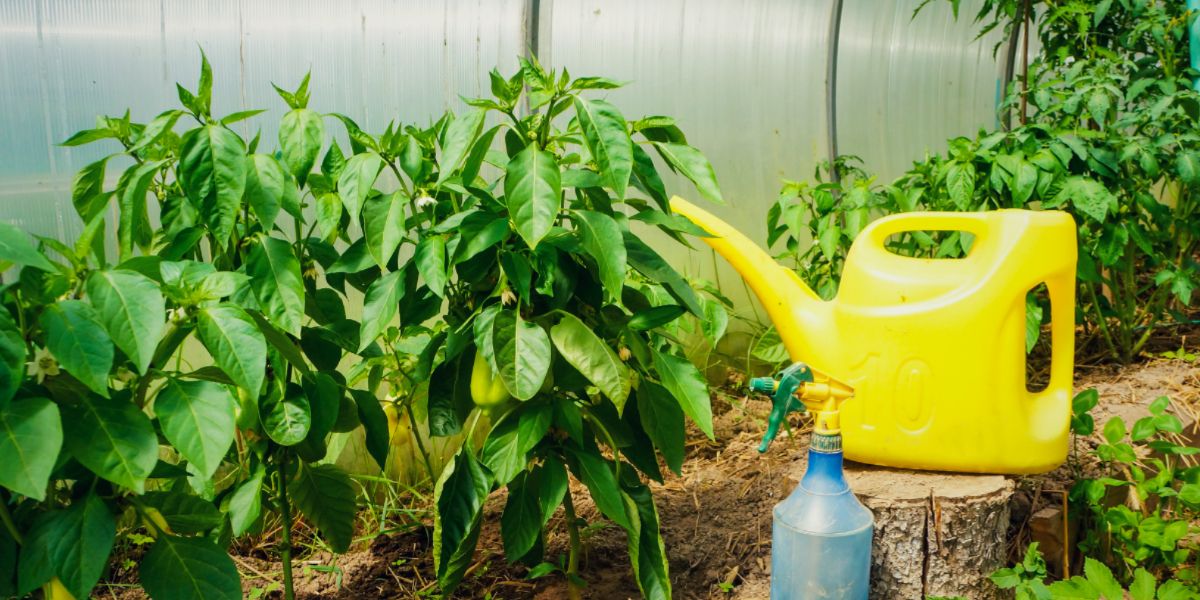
x,y
715,516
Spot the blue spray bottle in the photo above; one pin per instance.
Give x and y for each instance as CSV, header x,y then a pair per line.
x,y
821,534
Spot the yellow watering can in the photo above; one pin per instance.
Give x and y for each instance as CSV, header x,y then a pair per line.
x,y
934,348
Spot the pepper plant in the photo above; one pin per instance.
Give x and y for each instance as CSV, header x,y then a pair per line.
x,y
527,214
115,429
1104,128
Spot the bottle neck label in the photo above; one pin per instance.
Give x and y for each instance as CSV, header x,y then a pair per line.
x,y
826,443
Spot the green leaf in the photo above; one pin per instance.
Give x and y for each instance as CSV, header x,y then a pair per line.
x,y
16,248
326,496
12,357
88,136
960,184
430,258
1143,585
693,165
383,225
607,140
235,343
268,189
551,485
73,544
648,262
460,492
1113,241
522,352
31,437
324,396
450,395
183,512
76,338
245,504
602,239
133,226
521,523
687,385
381,305
132,309
375,425
329,217
502,450
593,358
188,568
1088,196
1102,578
87,190
286,415
356,181
212,168
1114,430
646,550
533,191
197,417
1187,165
301,134
662,420
155,129
460,135
1024,181
282,343
114,439
1175,590
1076,588
275,270
596,473
647,179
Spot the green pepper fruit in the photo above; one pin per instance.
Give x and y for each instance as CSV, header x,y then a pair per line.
x,y
487,389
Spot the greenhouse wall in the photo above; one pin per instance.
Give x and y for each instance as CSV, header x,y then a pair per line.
x,y
895,85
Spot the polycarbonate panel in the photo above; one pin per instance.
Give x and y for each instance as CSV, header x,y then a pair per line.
x,y
62,62
744,79
905,85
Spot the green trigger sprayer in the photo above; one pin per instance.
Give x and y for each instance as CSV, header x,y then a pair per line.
x,y
821,535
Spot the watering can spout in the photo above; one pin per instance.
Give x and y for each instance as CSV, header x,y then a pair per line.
x,y
797,311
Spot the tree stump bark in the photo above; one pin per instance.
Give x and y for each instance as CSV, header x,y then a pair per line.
x,y
936,534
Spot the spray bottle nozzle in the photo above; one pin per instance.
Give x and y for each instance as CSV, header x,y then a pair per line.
x,y
796,388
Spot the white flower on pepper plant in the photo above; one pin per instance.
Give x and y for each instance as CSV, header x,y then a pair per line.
x,y
43,364
423,201
507,297
176,314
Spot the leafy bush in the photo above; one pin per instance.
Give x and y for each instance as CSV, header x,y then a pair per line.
x,y
1152,530
472,261
1106,129
114,429
1027,580
556,296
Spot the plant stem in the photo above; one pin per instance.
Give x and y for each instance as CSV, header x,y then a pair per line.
x,y
573,591
1100,319
8,522
285,512
416,433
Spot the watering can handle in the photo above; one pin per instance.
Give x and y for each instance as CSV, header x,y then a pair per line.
x,y
1062,333
879,231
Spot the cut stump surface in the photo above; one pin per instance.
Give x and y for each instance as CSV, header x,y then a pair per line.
x,y
936,534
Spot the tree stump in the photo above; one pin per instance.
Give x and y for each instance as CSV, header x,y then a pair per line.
x,y
936,534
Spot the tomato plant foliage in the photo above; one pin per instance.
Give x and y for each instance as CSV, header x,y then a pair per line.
x,y
1102,125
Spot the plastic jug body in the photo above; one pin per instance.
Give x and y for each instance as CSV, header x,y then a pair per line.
x,y
935,348
821,537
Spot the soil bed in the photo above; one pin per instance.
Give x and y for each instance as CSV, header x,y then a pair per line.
x,y
716,516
